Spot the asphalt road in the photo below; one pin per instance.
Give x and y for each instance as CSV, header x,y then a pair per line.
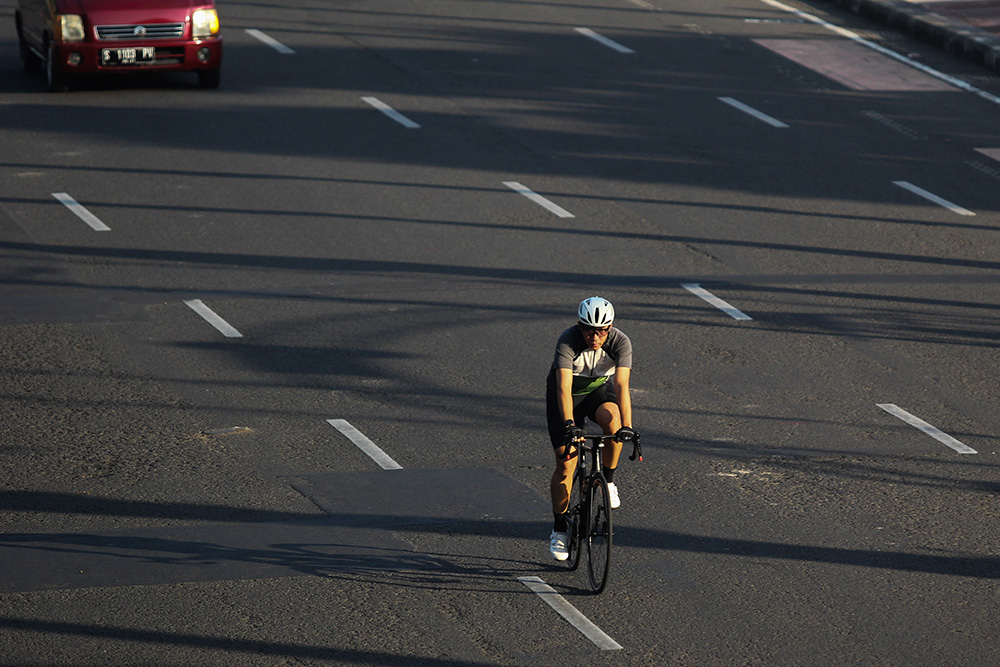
x,y
176,491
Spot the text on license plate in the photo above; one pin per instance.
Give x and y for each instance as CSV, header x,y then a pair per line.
x,y
140,54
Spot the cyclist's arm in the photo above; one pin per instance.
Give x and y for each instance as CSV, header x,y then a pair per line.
x,y
564,392
622,376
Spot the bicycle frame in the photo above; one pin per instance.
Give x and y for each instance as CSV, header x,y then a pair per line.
x,y
590,516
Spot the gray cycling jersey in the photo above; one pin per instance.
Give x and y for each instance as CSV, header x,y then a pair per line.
x,y
591,368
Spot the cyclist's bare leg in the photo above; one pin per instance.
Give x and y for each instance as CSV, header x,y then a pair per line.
x,y
609,418
562,481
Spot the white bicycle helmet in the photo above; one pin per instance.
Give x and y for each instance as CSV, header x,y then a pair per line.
x,y
596,312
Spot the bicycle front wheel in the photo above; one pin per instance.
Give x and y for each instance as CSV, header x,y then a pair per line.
x,y
577,529
598,535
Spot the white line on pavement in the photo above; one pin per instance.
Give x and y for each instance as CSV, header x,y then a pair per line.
x,y
759,115
703,293
390,112
929,196
212,318
81,212
570,613
843,32
364,444
538,199
601,39
888,122
990,152
920,424
270,41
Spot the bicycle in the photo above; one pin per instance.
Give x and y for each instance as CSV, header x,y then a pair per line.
x,y
589,516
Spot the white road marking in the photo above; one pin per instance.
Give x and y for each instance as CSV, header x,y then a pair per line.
x,y
538,199
364,444
843,32
601,39
570,613
81,212
212,318
920,424
955,208
703,293
759,115
990,152
270,41
891,124
390,112
984,169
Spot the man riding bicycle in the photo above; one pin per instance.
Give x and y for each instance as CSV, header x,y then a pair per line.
x,y
589,379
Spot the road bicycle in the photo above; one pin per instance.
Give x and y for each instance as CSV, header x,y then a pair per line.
x,y
589,515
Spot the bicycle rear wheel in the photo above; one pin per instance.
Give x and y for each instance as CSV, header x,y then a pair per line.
x,y
598,535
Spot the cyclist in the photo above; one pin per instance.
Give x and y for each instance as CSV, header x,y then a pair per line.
x,y
589,379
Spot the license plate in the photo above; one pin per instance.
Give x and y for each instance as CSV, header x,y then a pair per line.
x,y
128,56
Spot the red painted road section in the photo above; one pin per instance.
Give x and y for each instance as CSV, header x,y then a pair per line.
x,y
854,66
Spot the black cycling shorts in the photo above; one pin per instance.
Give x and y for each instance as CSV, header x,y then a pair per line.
x,y
582,411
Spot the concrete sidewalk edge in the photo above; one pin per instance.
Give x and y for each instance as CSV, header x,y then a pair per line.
x,y
953,36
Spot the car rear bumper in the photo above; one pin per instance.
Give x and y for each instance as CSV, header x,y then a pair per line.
x,y
171,56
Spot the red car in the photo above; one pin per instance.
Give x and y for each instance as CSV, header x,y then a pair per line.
x,y
117,36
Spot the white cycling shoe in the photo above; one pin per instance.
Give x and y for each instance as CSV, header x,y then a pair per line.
x,y
613,499
559,545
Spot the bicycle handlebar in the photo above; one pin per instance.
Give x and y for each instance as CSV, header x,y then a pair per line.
x,y
598,437
636,448
603,438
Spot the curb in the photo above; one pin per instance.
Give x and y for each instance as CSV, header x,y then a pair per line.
x,y
953,36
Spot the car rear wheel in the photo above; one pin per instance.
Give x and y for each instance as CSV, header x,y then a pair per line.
x,y
57,80
209,78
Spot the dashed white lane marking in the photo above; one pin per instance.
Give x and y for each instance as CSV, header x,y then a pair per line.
x,y
391,113
538,199
843,32
920,424
270,41
891,124
364,444
81,212
570,613
212,318
990,152
601,39
929,196
759,115
703,293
